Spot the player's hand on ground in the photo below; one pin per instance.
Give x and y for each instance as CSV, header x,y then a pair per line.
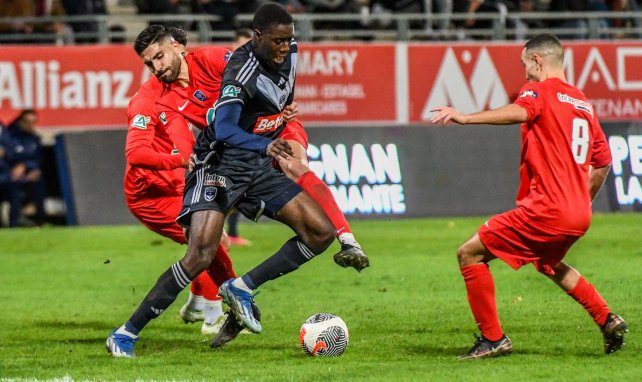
x,y
279,148
447,114
291,111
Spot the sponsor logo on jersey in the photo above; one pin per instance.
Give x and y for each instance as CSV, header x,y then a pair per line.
x,y
231,91
528,93
577,103
140,121
210,193
268,123
214,180
163,118
199,95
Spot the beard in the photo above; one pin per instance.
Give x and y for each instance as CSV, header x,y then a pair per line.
x,y
170,74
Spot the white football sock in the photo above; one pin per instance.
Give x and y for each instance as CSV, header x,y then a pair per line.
x,y
348,239
195,302
213,309
124,331
239,283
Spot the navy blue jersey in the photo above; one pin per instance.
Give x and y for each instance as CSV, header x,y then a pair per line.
x,y
262,90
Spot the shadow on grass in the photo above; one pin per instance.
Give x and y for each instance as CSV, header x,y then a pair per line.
x,y
56,324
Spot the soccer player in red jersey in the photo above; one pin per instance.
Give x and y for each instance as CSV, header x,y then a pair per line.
x,y
564,162
154,183
193,83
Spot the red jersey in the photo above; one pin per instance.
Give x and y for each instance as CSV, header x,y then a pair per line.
x,y
560,141
194,103
153,166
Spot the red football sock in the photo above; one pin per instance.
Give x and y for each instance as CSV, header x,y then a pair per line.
x,y
195,285
209,290
320,192
220,268
590,299
203,286
481,297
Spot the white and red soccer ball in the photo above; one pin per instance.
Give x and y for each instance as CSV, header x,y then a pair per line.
x,y
324,334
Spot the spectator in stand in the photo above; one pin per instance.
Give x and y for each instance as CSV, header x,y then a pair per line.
x,y
85,31
35,33
159,7
5,169
24,151
427,7
336,7
578,24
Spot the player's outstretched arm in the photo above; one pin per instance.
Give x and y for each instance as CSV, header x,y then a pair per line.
x,y
504,115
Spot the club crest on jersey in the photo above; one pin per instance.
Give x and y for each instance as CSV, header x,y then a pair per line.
x,y
199,95
163,118
227,56
268,123
140,121
231,91
528,93
210,193
214,180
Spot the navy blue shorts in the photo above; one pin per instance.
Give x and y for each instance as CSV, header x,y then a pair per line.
x,y
248,182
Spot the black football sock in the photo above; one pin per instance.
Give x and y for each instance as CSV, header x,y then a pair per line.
x,y
159,298
287,259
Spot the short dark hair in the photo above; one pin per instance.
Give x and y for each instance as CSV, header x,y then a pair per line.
x,y
546,45
545,39
270,14
155,33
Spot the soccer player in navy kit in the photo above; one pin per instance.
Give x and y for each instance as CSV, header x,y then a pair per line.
x,y
235,160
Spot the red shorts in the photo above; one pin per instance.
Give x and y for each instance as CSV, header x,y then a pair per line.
x,y
511,238
159,215
294,131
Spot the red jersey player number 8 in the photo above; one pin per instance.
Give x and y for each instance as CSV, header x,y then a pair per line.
x,y
580,142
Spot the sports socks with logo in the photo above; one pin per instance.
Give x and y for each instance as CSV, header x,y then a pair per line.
x,y
480,288
159,298
287,259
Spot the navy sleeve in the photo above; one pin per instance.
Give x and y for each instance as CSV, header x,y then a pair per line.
x,y
226,127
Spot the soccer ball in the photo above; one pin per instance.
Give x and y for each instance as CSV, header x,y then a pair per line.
x,y
324,334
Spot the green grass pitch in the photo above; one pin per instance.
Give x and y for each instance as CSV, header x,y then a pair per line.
x,y
63,289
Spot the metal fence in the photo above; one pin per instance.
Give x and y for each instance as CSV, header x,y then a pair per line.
x,y
349,27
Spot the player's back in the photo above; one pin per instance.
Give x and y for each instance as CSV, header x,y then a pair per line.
x,y
557,151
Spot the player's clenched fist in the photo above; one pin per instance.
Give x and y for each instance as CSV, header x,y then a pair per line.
x,y
279,148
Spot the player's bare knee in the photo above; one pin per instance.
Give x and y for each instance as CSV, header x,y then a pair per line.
x,y
464,256
318,237
294,168
198,257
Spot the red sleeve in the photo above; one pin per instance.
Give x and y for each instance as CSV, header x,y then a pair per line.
x,y
601,152
142,122
217,59
530,98
179,132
